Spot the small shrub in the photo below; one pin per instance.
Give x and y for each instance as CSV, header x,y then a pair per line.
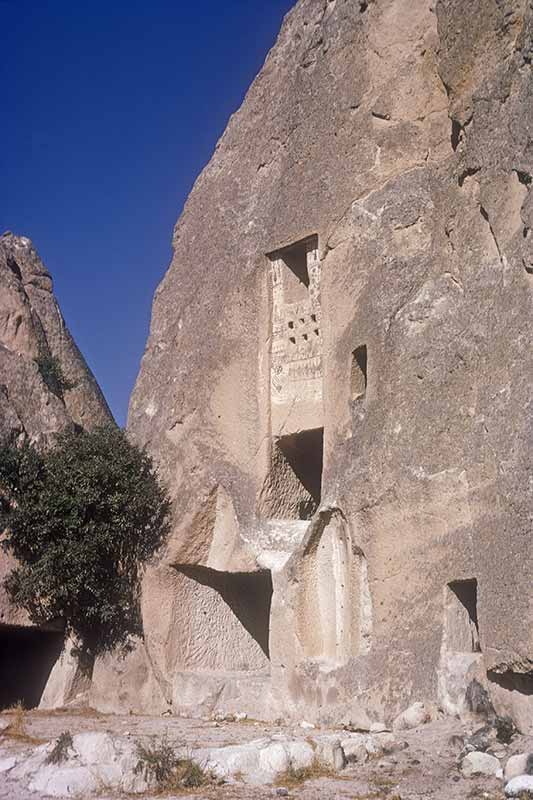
x,y
159,764
17,727
52,374
191,775
61,748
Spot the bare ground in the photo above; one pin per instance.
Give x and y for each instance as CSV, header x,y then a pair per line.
x,y
426,767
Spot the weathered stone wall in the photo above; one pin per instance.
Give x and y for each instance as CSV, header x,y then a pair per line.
x,y
32,328
397,132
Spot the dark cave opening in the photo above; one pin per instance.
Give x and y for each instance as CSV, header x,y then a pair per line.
x,y
28,655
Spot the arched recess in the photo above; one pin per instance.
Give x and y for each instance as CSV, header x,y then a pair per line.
x,y
334,613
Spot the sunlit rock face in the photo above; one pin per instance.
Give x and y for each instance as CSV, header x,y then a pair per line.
x,y
33,340
337,383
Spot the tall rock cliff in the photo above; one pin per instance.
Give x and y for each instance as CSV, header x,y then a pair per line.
x,y
34,342
337,384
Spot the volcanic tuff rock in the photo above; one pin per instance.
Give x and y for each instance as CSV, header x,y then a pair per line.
x,y
33,333
337,384
32,330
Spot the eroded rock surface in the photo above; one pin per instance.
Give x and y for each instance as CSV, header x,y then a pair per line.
x,y
32,333
337,383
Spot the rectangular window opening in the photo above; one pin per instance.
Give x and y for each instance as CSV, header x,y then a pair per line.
x,y
304,452
296,275
462,628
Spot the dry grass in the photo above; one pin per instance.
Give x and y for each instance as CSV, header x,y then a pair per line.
x,y
83,712
383,784
480,793
377,796
17,727
295,777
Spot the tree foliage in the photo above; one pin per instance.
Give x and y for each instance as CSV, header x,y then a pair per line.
x,y
81,519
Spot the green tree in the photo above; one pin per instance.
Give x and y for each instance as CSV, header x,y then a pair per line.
x,y
81,519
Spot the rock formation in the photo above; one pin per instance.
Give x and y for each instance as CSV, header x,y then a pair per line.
x,y
33,340
337,382
45,387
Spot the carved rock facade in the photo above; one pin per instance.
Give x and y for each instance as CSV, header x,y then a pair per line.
x,y
337,384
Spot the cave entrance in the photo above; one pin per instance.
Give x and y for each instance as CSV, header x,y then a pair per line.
x,y
28,655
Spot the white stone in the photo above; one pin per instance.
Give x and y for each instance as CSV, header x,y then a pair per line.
x,y
307,725
522,784
517,765
354,748
379,743
329,752
357,721
7,763
94,748
386,742
301,754
417,714
477,763
274,759
30,763
63,781
378,727
225,762
95,761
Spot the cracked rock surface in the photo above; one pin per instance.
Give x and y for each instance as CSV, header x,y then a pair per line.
x,y
397,134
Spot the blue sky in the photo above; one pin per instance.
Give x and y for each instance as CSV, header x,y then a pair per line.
x,y
110,110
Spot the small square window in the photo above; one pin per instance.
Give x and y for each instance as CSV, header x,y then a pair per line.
x,y
295,275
